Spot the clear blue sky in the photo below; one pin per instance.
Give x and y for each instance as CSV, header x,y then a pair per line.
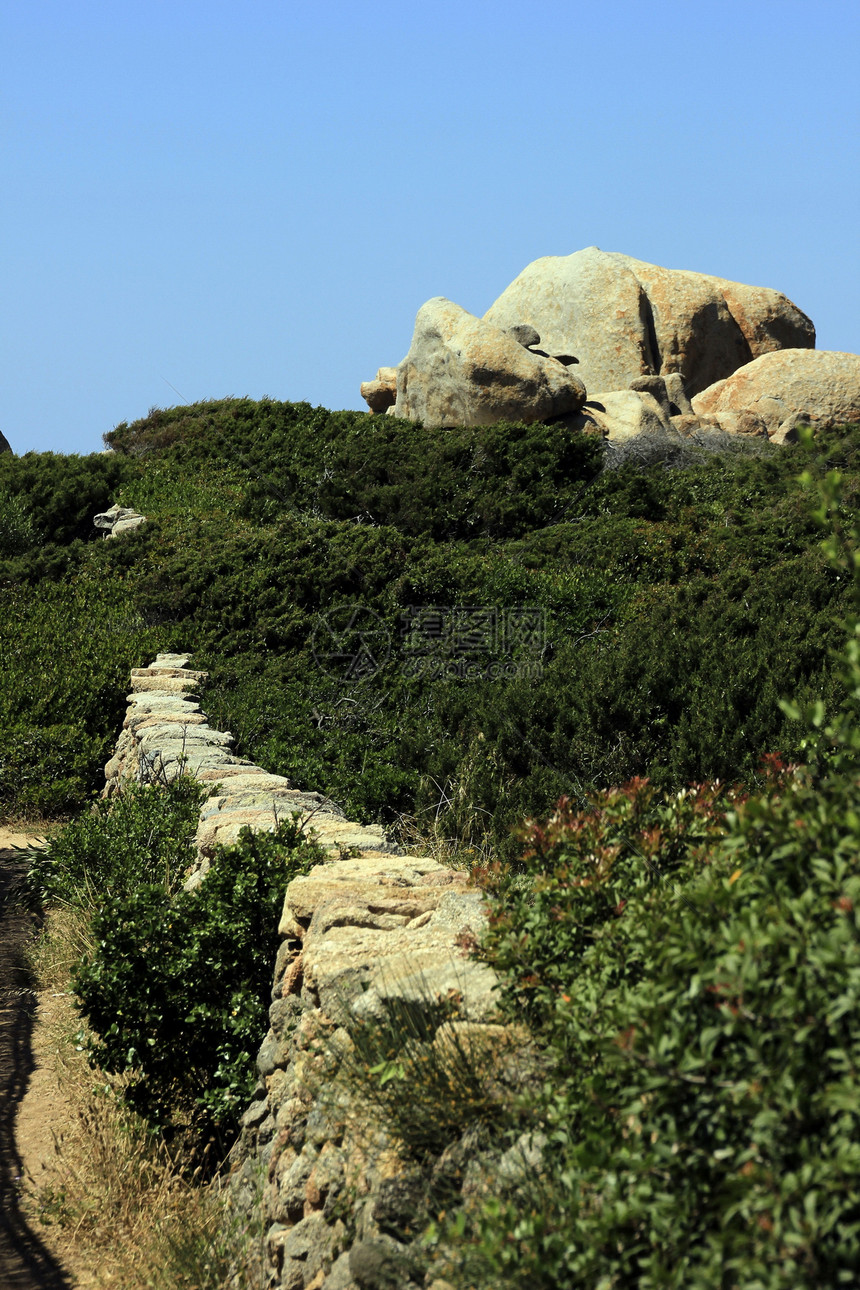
x,y
255,198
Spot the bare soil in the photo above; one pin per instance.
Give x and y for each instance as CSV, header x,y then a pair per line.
x,y
26,1263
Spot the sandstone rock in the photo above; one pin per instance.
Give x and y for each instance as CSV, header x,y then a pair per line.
x,y
620,415
743,422
162,683
789,386
677,394
693,330
379,395
584,304
625,318
524,335
461,371
768,319
656,387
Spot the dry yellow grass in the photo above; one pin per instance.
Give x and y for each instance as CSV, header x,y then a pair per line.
x,y
101,1193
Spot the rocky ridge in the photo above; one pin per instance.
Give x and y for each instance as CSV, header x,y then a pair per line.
x,y
367,936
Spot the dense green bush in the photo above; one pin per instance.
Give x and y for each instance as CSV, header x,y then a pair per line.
x,y
62,493
702,1120
177,990
679,605
65,654
691,964
141,836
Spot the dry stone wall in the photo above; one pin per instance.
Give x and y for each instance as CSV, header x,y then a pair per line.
x,y
367,935
165,734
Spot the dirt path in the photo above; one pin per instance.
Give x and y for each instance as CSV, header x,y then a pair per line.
x,y
25,1263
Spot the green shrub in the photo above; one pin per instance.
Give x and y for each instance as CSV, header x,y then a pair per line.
x,y
702,1119
692,966
18,530
61,493
65,654
143,835
176,993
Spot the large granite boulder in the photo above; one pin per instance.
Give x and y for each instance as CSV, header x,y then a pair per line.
x,y
624,318
461,371
785,388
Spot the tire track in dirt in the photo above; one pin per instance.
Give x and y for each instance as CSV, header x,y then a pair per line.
x,y
25,1263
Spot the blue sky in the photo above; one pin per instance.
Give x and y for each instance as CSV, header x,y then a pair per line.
x,y
204,199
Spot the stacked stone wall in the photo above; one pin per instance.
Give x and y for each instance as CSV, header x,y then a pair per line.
x,y
366,933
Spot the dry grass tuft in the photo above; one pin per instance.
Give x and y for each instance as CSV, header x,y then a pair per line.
x,y
104,1194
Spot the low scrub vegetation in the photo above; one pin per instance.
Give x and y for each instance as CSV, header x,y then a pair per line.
x,y
459,631
175,985
533,620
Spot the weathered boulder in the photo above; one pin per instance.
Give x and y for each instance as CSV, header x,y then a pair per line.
x,y
5,446
462,371
118,519
787,387
379,395
625,318
621,414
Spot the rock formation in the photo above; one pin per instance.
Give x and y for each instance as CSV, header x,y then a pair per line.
x,y
787,388
644,339
463,371
118,520
5,446
624,318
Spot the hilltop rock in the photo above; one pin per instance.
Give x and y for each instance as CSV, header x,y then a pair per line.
x,y
379,395
462,371
782,389
621,414
625,318
5,446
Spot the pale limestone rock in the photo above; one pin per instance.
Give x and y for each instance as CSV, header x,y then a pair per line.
x,y
625,318
163,684
461,371
788,387
118,519
391,924
166,671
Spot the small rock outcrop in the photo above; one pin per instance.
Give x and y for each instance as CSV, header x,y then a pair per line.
x,y
624,318
381,394
787,388
461,371
118,520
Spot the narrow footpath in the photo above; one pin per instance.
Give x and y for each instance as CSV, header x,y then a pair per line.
x,y
25,1263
